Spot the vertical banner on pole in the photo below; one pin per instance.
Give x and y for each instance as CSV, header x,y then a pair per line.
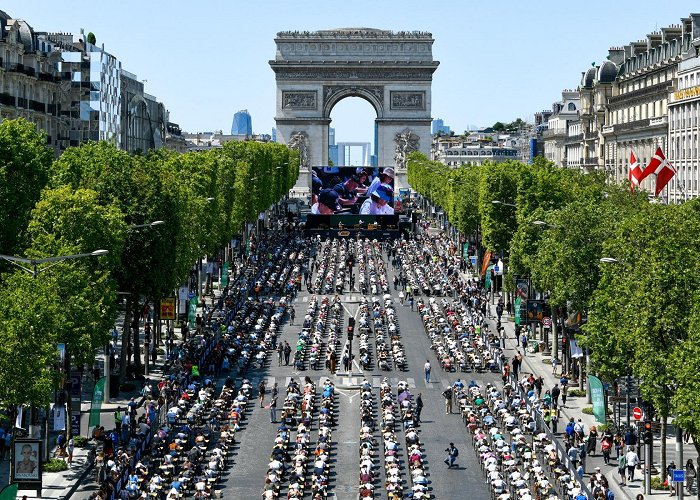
x,y
597,398
96,404
193,311
224,275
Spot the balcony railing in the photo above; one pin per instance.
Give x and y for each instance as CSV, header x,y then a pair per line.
x,y
7,100
555,132
22,102
590,162
608,129
655,122
37,106
572,139
660,88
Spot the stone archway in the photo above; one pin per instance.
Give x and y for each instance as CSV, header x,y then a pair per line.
x,y
391,70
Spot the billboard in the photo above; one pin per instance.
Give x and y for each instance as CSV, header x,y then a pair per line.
x,y
367,191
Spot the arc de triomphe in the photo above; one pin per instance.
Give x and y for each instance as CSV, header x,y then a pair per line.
x,y
393,71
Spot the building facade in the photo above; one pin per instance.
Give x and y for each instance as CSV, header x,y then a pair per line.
x,y
458,151
557,134
242,124
74,91
439,127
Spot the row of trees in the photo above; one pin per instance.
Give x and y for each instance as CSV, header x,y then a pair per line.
x,y
91,198
642,308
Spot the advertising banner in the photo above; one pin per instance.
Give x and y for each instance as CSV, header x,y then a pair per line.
x,y
167,308
96,404
597,398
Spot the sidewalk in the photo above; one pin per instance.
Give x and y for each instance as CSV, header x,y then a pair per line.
x,y
538,364
78,481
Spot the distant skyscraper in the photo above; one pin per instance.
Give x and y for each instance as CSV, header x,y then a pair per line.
x,y
242,124
332,147
439,126
274,134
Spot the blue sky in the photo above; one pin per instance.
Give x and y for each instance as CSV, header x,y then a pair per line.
x,y
206,59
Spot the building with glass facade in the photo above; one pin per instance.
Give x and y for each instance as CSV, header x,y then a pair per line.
x,y
242,124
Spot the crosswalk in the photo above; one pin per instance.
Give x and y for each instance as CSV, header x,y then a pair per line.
x,y
344,298
375,380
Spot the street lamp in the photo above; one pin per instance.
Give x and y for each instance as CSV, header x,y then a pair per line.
x,y
544,224
150,224
34,263
499,202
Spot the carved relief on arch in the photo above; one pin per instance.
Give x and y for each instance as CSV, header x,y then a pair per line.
x,y
374,94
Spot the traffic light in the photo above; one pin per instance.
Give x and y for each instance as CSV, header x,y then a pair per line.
x,y
351,334
351,321
648,433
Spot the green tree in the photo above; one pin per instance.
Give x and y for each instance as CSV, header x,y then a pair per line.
x,y
24,168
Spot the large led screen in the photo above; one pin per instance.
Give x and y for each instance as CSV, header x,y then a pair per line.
x,y
352,191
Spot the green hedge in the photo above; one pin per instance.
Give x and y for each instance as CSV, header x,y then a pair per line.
x,y
80,441
55,465
656,484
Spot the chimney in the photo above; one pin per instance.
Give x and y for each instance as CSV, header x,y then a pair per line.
x,y
629,51
653,40
695,19
639,47
616,55
671,32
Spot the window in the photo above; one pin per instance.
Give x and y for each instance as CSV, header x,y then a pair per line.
x,y
572,106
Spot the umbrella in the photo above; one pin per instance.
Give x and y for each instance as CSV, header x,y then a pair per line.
x,y
404,395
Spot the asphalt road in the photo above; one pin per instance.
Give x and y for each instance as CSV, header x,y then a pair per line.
x,y
246,476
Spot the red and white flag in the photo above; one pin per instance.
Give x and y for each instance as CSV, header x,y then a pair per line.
x,y
635,172
664,173
655,163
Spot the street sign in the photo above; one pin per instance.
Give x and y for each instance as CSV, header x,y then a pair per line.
x,y
167,308
637,413
678,476
547,322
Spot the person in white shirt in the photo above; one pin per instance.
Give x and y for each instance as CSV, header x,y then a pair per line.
x,y
378,202
386,176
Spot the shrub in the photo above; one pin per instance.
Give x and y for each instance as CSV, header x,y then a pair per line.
x,y
588,410
80,441
576,393
55,465
656,484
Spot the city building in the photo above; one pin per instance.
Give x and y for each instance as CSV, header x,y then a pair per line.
x,y
74,91
30,85
439,127
144,119
202,141
459,150
332,147
93,104
348,154
242,124
557,135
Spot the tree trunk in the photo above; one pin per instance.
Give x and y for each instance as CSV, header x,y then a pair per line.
x,y
664,428
696,443
126,338
137,346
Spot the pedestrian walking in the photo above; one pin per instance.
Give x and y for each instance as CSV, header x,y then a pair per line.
x,y
447,394
280,353
273,409
410,301
401,298
452,454
292,314
622,468
517,361
555,395
419,408
261,392
69,448
523,341
287,352
690,474
427,369
632,460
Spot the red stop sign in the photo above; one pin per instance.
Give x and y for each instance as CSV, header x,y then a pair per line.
x,y
637,413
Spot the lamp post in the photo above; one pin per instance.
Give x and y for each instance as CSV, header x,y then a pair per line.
x,y
32,266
